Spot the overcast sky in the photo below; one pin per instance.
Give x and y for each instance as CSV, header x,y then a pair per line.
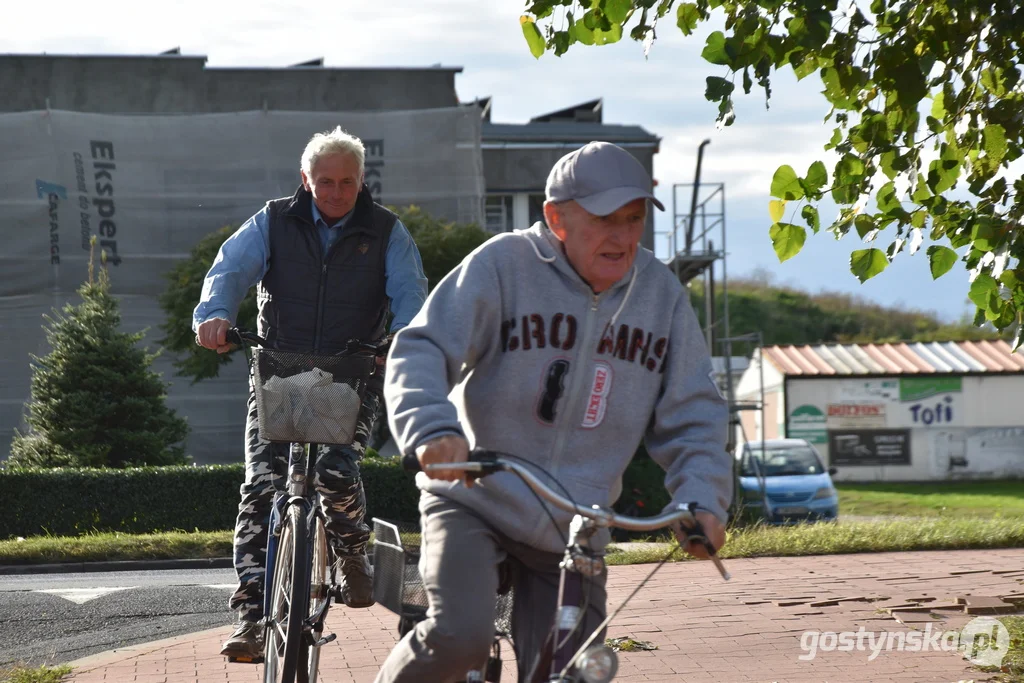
x,y
663,93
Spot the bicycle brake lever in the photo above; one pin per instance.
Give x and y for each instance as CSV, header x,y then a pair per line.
x,y
696,533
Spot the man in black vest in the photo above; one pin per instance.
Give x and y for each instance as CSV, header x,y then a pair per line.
x,y
330,265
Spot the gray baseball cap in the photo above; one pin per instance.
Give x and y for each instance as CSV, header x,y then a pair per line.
x,y
601,177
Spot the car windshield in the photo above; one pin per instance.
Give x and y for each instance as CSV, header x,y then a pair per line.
x,y
781,461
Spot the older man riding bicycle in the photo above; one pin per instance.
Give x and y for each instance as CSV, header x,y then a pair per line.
x,y
570,345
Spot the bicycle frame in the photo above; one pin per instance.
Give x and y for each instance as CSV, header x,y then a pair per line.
x,y
301,460
298,493
559,660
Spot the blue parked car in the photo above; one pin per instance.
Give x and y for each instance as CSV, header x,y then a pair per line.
x,y
797,487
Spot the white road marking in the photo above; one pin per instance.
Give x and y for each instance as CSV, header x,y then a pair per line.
x,y
82,595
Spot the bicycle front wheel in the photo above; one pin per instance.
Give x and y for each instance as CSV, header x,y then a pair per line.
x,y
319,601
289,600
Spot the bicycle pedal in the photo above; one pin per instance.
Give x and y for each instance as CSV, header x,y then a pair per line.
x,y
329,638
245,660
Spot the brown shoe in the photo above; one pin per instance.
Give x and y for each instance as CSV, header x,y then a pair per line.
x,y
355,585
245,644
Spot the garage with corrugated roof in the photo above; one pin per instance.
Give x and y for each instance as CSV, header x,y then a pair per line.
x,y
892,412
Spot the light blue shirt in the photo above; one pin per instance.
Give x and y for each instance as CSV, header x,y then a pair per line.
x,y
244,259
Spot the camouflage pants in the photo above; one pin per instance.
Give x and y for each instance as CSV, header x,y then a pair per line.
x,y
341,496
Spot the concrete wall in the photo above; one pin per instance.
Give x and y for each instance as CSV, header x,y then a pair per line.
x,y
182,84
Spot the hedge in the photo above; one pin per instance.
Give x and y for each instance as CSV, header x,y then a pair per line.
x,y
72,502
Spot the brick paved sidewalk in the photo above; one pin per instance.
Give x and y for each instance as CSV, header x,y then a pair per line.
x,y
749,629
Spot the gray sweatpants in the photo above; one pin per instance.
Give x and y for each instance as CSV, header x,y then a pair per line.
x,y
460,554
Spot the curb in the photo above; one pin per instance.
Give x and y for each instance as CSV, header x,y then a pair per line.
x,y
116,566
201,563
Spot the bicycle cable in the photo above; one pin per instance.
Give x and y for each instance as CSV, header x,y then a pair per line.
x,y
551,477
614,614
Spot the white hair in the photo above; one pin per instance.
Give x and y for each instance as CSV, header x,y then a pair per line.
x,y
330,143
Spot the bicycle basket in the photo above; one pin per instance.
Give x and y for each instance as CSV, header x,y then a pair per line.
x,y
308,398
397,583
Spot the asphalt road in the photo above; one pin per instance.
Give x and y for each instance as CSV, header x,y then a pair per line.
x,y
54,618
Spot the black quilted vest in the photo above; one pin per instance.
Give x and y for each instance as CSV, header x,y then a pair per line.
x,y
312,301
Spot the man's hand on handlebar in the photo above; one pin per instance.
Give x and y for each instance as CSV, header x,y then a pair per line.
x,y
445,449
382,358
714,532
212,334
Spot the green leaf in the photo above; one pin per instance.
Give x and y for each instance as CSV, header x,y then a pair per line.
x,y
939,106
944,171
981,289
811,32
849,174
887,201
810,214
617,10
776,209
992,79
786,184
816,178
583,34
837,137
921,193
533,37
613,35
863,224
787,239
687,18
867,263
715,50
718,88
985,236
806,67
994,143
994,310
941,259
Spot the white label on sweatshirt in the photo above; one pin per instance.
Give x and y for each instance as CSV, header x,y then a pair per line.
x,y
597,404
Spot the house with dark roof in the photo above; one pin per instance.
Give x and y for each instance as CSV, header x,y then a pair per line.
x,y
518,157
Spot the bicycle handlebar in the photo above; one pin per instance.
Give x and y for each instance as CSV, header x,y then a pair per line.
x,y
236,335
483,462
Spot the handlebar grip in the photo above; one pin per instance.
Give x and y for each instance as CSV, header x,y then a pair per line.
x,y
233,336
410,463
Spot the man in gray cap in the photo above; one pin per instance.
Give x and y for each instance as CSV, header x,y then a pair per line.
x,y
571,345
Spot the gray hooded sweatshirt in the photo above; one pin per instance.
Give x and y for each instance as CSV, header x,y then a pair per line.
x,y
548,371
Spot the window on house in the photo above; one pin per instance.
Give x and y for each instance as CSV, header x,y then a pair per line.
x,y
498,212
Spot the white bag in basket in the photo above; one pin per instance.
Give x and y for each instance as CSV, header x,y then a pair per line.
x,y
277,405
339,412
318,409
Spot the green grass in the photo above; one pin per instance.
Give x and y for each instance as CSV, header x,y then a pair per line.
x,y
43,674
934,499
957,515
939,533
1013,663
1012,669
943,533
116,546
